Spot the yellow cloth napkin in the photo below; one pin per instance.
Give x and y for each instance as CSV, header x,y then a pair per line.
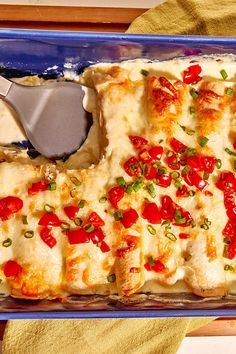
x,y
128,336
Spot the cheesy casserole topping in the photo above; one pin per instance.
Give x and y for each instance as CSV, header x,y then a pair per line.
x,y
146,204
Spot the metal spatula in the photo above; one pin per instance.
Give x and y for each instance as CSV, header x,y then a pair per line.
x,y
52,115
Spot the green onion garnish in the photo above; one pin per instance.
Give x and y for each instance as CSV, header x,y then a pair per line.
x,y
65,225
118,215
121,181
78,221
226,251
227,240
29,234
48,208
169,153
151,229
223,74
81,203
192,110
151,190
230,152
156,164
161,171
229,91
170,236
73,192
144,72
161,141
175,174
206,224
52,186
206,175
193,93
7,242
111,278
203,142
103,199
228,267
218,163
178,183
187,130
186,169
88,227
191,193
129,188
24,219
188,257
75,181
151,261
166,222
138,184
190,152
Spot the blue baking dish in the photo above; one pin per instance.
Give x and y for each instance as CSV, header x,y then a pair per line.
x,y
48,54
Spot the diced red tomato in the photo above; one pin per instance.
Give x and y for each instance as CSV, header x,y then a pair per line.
x,y
187,178
104,247
231,250
77,236
183,236
131,167
71,211
195,163
229,201
150,172
208,194
182,192
157,267
12,269
234,145
95,220
208,163
137,141
97,236
115,194
49,219
167,209
151,213
144,156
9,205
196,180
191,74
45,234
37,187
156,153
230,229
164,180
173,162
227,182
177,145
129,218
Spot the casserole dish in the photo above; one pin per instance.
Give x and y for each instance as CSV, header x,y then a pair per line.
x,y
48,54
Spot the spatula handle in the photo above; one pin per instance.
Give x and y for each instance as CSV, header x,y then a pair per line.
x,y
4,86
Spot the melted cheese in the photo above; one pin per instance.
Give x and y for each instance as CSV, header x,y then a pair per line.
x,y
118,99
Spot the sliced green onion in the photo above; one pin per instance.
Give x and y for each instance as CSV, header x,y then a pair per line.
x,y
151,229
73,192
118,215
52,186
121,181
103,200
178,183
177,214
226,251
98,244
204,140
151,190
129,188
88,227
155,180
151,261
142,166
7,242
224,74
218,163
204,226
65,225
230,152
81,203
190,152
161,171
207,221
0,280
188,257
175,174
24,219
228,267
29,234
78,221
111,278
229,91
75,181
227,240
193,93
191,193
192,110
186,169
144,72
187,130
132,168
161,141
169,153
166,222
48,208
206,175
138,184
156,164
170,236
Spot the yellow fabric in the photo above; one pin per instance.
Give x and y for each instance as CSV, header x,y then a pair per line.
x,y
128,336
